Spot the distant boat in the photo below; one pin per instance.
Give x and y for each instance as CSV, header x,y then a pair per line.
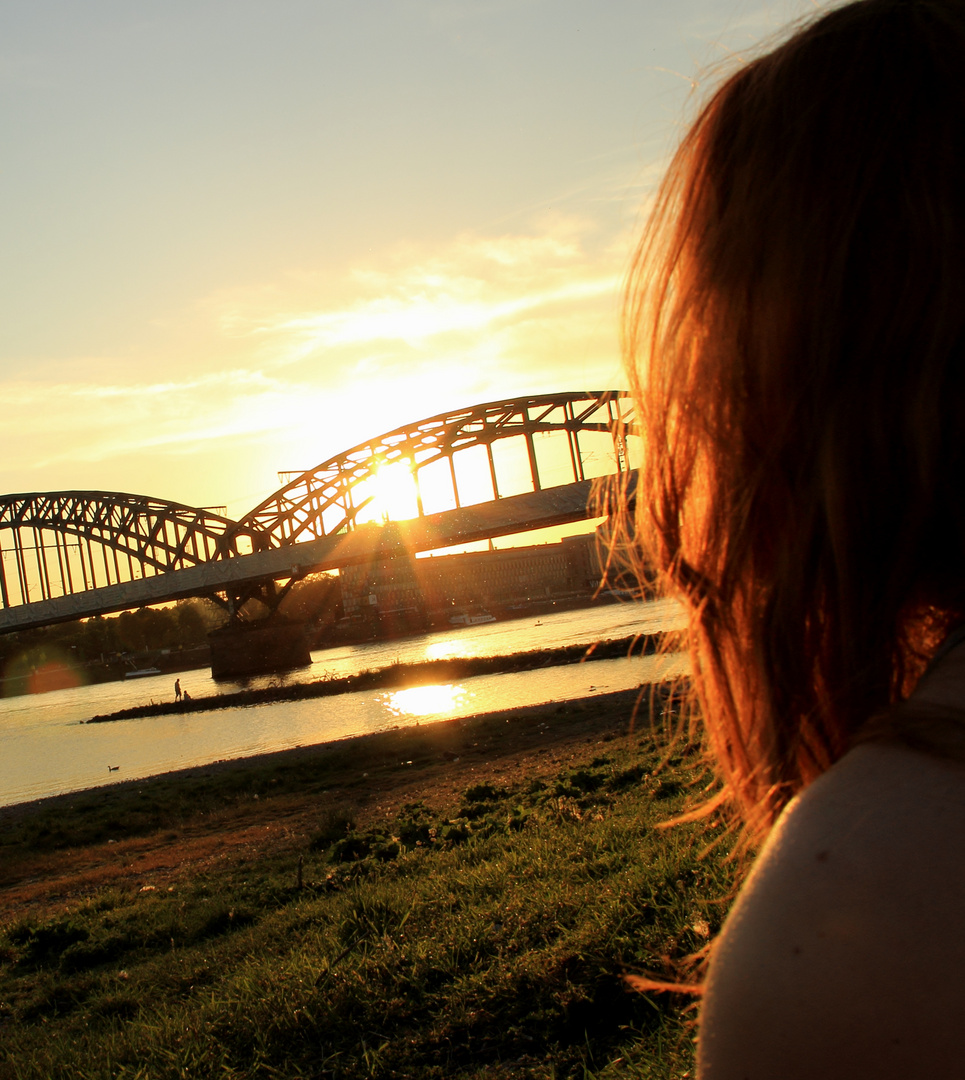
x,y
142,673
472,620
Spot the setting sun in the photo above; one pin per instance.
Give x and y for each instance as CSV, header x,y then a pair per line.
x,y
390,494
395,491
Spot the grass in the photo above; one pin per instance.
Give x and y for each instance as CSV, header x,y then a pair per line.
x,y
483,938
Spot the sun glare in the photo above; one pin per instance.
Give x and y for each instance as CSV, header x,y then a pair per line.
x,y
392,491
448,650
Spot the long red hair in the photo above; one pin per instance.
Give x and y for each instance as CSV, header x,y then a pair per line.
x,y
795,333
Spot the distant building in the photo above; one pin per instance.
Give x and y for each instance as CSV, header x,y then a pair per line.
x,y
410,589
382,589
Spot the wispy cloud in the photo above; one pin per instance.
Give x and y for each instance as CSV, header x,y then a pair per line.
x,y
419,316
442,302
96,423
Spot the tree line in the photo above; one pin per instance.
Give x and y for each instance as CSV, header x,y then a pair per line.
x,y
179,626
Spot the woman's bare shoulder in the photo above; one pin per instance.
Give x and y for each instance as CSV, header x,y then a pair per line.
x,y
843,955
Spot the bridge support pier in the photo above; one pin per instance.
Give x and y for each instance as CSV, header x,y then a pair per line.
x,y
241,649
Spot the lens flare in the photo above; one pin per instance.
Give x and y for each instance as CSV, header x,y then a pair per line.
x,y
40,670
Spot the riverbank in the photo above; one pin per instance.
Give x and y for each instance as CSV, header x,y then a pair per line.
x,y
399,675
458,899
423,757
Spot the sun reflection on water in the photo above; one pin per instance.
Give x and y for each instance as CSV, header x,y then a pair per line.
x,y
426,700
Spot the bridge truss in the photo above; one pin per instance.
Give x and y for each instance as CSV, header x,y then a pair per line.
x,y
59,543
334,496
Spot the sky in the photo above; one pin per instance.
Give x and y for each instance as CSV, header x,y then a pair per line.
x,y
240,236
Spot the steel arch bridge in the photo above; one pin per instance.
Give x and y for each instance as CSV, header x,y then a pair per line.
x,y
69,555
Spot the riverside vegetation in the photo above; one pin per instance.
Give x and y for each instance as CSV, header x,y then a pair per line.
x,y
457,900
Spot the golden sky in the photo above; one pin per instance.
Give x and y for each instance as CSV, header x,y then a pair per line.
x,y
238,237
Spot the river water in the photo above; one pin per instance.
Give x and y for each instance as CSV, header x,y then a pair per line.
x,y
47,749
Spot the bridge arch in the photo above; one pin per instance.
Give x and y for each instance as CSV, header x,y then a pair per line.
x,y
63,542
325,500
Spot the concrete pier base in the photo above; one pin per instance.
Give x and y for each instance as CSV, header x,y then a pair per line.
x,y
257,649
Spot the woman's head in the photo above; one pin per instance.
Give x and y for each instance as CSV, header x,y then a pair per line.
x,y
795,328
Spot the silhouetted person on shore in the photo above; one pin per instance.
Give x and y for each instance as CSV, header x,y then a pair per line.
x,y
177,689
